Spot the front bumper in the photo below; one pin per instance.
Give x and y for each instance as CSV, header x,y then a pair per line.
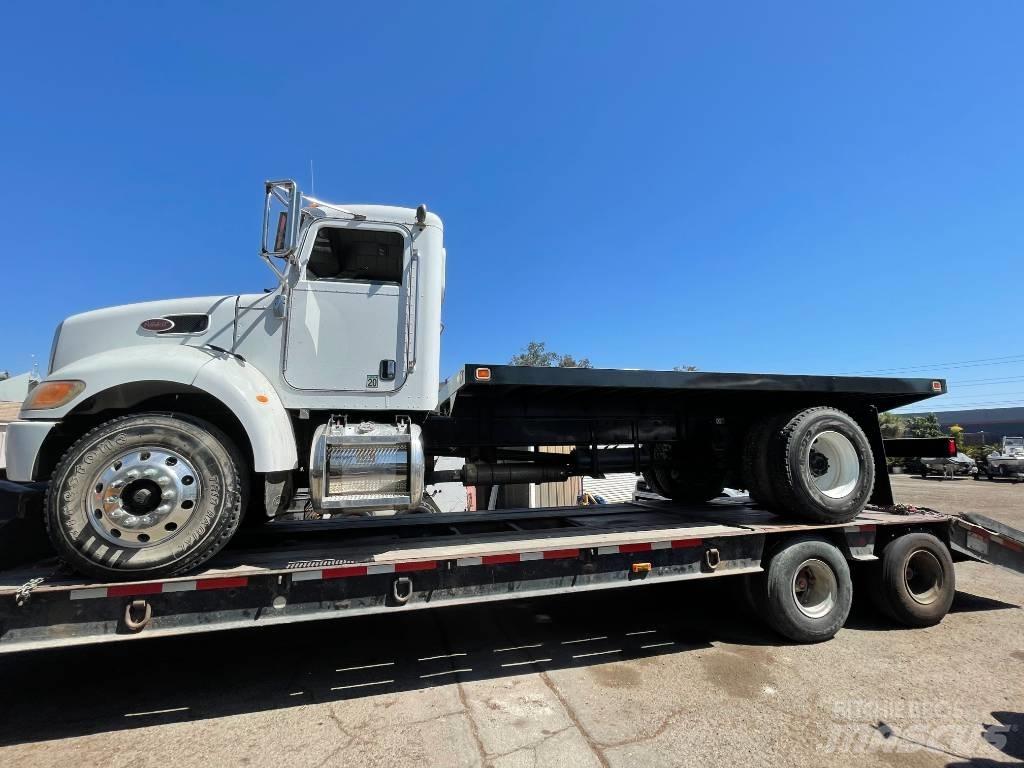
x,y
24,440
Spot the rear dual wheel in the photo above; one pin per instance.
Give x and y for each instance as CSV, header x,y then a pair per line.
x,y
816,463
692,484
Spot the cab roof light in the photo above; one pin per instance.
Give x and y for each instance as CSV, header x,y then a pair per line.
x,y
482,374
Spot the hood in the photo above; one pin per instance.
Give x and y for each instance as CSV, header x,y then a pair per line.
x,y
198,321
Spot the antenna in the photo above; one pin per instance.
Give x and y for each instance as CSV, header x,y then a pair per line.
x,y
312,185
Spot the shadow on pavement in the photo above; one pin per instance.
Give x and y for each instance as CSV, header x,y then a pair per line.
x,y
1005,733
76,691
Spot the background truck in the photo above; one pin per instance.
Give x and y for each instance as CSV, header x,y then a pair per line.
x,y
159,426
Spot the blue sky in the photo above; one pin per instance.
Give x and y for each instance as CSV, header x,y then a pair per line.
x,y
778,187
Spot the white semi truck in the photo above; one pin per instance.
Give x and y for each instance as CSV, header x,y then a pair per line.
x,y
161,427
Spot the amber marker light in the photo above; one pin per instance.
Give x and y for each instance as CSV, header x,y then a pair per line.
x,y
52,394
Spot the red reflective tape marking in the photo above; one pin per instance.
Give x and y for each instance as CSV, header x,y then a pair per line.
x,y
128,590
556,554
228,583
499,559
624,548
342,573
1011,544
425,565
686,543
870,528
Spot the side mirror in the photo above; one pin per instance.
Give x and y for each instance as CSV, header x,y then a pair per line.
x,y
282,197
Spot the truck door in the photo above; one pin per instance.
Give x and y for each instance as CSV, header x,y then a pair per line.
x,y
345,320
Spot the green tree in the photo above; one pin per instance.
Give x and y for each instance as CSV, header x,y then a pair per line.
x,y
536,354
925,425
891,425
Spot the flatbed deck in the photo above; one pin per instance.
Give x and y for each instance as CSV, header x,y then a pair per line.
x,y
302,571
883,393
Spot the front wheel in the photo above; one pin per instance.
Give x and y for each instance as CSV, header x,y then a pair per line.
x,y
149,495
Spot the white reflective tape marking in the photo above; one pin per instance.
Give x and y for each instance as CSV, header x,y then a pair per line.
x,y
88,594
661,545
381,568
179,586
531,556
361,685
596,653
977,543
614,550
307,576
470,561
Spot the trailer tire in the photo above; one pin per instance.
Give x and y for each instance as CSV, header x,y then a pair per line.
x,y
146,495
821,466
806,591
915,582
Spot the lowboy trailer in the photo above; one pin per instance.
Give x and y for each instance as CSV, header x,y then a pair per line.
x,y
796,575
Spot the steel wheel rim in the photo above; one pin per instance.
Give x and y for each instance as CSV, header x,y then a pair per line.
x,y
833,464
143,497
815,588
923,577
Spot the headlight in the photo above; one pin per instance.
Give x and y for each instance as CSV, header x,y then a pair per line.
x,y
52,394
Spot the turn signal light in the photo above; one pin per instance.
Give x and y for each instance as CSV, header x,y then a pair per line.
x,y
52,394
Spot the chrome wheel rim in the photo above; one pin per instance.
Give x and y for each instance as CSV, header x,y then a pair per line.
x,y
143,497
814,588
923,577
833,464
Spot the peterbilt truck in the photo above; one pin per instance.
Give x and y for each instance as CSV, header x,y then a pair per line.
x,y
160,426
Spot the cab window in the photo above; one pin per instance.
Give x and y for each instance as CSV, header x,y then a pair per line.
x,y
362,255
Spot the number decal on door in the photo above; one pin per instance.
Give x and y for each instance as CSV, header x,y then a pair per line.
x,y
372,382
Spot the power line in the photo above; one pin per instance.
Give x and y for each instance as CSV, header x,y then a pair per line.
x,y
977,363
981,382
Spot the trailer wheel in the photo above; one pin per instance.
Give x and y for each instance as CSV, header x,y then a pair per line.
x,y
146,495
806,592
915,581
821,466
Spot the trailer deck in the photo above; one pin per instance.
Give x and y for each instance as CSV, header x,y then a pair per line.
x,y
302,571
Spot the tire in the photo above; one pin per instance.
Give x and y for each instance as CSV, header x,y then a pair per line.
x,y
915,581
755,463
153,494
683,484
820,466
806,592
